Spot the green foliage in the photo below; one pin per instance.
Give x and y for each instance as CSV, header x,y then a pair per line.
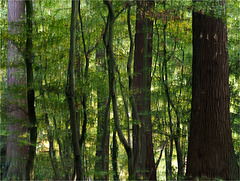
x,y
43,169
51,39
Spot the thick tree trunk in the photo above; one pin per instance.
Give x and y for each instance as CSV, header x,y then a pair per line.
x,y
17,149
210,150
142,86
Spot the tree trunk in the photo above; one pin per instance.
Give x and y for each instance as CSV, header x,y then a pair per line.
x,y
180,174
70,94
142,87
30,94
114,152
3,126
112,87
168,159
51,150
210,150
17,147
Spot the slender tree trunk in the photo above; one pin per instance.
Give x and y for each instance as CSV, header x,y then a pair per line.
x,y
30,94
63,161
177,136
84,98
169,151
67,152
168,159
70,94
142,86
3,126
180,161
112,88
210,142
51,150
17,149
114,152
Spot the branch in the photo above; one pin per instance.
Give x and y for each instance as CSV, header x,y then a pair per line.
x,y
99,39
119,12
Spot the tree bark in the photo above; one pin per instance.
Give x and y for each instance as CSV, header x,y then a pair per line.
x,y
210,142
17,147
142,86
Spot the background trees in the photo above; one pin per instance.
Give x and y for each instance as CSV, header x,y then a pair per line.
x,y
168,38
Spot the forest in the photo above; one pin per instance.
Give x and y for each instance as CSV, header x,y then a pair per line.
x,y
120,90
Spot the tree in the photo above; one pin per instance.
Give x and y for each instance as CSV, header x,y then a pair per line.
x,y
17,145
210,151
70,94
142,87
112,88
30,93
106,108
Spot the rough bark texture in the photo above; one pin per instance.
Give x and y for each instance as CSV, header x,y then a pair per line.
x,y
136,131
210,151
17,150
142,86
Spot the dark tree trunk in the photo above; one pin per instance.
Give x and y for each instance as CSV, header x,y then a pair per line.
x,y
168,149
70,94
17,149
136,130
84,98
142,86
210,150
112,87
168,159
180,161
114,152
3,126
51,151
30,94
